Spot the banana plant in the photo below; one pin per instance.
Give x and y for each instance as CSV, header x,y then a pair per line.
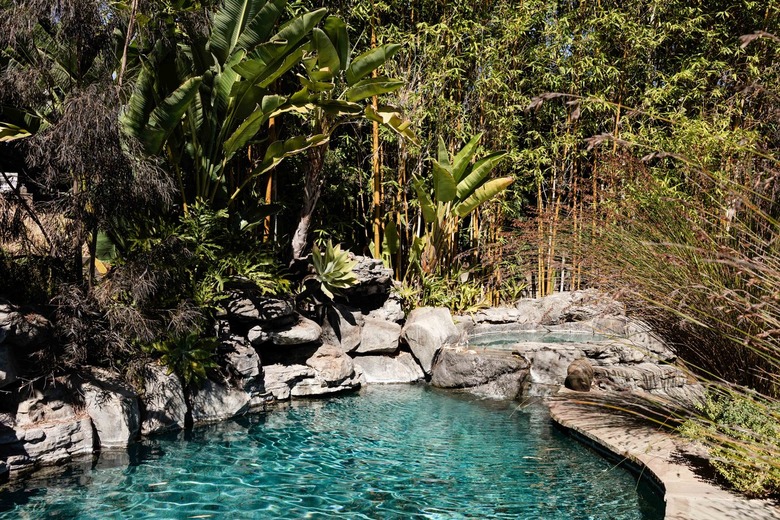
x,y
460,185
191,105
336,89
203,104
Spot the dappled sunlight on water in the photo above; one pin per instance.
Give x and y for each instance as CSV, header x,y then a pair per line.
x,y
389,452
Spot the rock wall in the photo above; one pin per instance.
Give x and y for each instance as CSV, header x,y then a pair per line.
x,y
269,352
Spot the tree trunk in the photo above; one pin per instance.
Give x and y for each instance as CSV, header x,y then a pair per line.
x,y
311,194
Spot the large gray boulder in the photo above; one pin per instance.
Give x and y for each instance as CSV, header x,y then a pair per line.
x,y
316,387
331,365
549,362
163,401
113,407
342,328
215,402
650,377
399,368
427,330
373,278
47,430
379,337
302,332
279,379
490,373
390,310
246,306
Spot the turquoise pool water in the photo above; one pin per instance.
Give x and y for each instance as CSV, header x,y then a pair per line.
x,y
388,452
507,339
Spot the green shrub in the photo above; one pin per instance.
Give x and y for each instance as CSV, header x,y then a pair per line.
x,y
189,356
743,431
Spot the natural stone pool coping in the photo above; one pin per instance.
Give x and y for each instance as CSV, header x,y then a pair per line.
x,y
656,453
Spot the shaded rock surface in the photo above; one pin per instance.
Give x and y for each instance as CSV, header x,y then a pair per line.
x,y
163,401
113,407
343,327
427,330
303,331
492,373
399,368
8,371
379,337
217,402
46,430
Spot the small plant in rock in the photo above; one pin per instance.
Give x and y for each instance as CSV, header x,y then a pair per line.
x,y
332,270
188,356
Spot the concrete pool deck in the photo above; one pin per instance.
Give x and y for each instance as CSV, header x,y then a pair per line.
x,y
667,459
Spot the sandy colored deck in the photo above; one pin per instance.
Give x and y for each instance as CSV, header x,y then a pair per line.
x,y
668,459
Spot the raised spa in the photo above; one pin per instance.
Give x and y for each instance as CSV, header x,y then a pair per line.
x,y
387,452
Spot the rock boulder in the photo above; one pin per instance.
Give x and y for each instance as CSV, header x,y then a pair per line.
x,y
163,401
331,365
379,337
113,407
491,373
579,376
399,368
427,330
215,402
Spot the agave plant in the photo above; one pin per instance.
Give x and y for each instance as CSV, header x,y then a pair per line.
x,y
332,269
460,185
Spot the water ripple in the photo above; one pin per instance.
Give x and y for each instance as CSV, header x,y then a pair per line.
x,y
391,452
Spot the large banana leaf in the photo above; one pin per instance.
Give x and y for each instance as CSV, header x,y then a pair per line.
x,y
10,132
372,87
444,187
369,61
476,177
262,25
336,30
444,155
462,159
328,61
482,194
167,115
252,124
242,24
390,117
426,204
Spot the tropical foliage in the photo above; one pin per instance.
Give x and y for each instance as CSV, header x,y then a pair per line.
x,y
173,147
